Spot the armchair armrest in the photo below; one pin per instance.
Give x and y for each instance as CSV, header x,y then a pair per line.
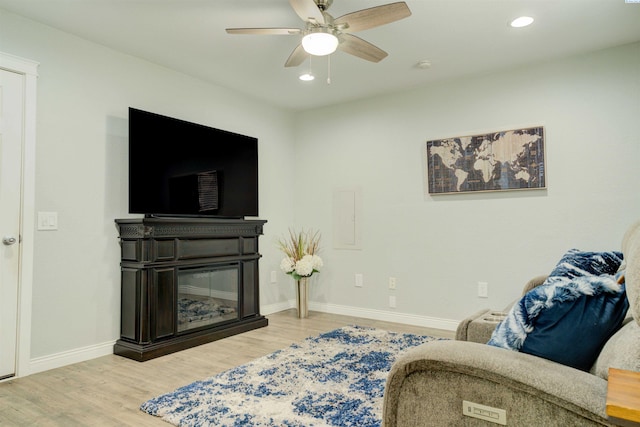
x,y
479,327
462,331
426,386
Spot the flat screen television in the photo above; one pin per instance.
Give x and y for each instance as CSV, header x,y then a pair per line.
x,y
178,168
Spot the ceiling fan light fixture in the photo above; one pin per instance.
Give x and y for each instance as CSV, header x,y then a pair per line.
x,y
320,42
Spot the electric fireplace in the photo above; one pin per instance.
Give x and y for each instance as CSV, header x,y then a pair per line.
x,y
185,282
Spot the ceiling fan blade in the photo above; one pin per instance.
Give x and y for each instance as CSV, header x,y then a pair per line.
x,y
362,49
307,10
265,31
297,57
373,17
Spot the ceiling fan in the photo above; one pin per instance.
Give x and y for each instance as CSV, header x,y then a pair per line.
x,y
323,33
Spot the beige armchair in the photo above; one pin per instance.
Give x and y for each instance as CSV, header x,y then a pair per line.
x,y
429,384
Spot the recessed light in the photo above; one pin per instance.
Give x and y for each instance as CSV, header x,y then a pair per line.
x,y
306,77
424,64
522,21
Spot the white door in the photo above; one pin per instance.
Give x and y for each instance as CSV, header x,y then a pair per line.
x,y
11,134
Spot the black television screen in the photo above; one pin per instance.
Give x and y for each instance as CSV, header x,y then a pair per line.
x,y
178,168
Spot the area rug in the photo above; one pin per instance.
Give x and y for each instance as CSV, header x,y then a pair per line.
x,y
334,379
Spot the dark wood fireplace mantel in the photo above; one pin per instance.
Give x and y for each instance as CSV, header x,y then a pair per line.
x,y
157,253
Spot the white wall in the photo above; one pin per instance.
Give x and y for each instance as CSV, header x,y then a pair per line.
x,y
439,247
84,91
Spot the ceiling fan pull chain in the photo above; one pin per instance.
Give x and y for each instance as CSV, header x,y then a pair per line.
x,y
328,69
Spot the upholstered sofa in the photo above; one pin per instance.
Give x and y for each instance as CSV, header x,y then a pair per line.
x,y
427,385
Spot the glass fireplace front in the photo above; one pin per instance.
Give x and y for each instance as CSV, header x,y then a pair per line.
x,y
207,295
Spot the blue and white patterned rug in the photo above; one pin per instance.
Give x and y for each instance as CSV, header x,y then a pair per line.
x,y
334,379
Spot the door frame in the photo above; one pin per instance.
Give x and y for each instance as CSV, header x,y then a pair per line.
x,y
29,69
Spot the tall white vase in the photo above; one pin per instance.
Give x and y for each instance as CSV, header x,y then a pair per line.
x,y
302,298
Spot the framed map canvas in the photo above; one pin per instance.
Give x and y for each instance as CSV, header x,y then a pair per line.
x,y
504,160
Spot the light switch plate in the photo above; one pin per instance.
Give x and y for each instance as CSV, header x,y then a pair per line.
x,y
47,221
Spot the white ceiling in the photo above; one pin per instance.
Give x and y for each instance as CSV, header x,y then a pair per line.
x,y
459,37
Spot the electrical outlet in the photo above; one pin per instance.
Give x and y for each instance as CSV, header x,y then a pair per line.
x,y
392,283
392,301
274,277
359,280
483,289
487,413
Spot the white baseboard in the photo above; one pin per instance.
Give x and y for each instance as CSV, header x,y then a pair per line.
x,y
387,316
274,308
58,360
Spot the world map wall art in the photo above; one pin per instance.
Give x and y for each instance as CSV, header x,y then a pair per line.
x,y
503,160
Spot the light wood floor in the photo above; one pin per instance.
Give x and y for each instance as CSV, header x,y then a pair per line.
x,y
108,391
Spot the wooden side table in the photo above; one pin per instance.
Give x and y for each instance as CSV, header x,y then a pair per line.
x,y
623,395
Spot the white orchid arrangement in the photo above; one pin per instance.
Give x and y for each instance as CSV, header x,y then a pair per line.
x,y
301,250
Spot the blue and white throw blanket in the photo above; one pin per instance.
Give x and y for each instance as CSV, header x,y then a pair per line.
x,y
520,321
571,315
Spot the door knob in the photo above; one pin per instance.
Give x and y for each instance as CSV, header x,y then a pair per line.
x,y
8,240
